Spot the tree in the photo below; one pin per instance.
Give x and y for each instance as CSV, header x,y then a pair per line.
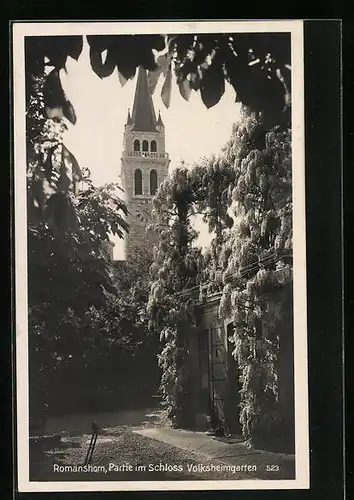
x,y
126,361
69,279
175,268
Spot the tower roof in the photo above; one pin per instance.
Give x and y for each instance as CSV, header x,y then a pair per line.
x,y
143,115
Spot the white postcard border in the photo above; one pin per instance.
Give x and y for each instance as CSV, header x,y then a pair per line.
x,y
295,28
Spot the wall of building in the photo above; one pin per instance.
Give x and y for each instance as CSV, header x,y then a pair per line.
x,y
107,248
213,334
210,331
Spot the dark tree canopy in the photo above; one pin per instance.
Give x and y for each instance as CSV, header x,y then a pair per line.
x,y
257,65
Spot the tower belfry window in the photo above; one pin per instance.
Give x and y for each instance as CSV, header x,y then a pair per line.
x,y
136,145
153,146
138,182
153,182
145,146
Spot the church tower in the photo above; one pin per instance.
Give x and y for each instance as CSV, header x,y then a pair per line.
x,y
144,163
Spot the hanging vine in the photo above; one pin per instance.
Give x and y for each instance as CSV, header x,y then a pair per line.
x,y
176,268
257,276
244,195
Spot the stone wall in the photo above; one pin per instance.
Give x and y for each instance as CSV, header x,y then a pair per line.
x,y
138,219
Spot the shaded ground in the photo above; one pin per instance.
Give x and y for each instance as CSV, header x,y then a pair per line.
x,y
78,424
67,440
231,450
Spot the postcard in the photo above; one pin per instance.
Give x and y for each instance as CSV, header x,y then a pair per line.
x,y
160,256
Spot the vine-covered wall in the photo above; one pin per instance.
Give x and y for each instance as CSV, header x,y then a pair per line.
x,y
262,394
245,196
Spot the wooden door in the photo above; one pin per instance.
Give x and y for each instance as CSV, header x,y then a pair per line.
x,y
204,370
234,385
218,371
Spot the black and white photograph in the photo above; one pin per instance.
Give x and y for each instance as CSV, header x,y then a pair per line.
x,y
161,332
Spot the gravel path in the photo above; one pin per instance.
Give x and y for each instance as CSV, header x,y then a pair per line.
x,y
121,455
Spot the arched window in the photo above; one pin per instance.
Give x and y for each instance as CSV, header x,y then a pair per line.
x,y
136,145
153,146
145,146
138,181
153,182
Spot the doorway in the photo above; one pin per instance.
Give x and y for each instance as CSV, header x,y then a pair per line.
x,y
219,378
233,388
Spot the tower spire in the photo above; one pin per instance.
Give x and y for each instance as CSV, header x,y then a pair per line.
x,y
129,118
143,115
159,120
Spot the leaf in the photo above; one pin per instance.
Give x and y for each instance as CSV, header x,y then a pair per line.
x,y
127,52
122,79
239,75
56,103
101,42
163,63
153,78
53,93
147,60
166,89
69,112
182,43
156,42
285,78
68,157
102,69
64,180
185,89
55,113
212,86
194,81
37,193
257,88
56,49
60,212
48,163
75,46
127,70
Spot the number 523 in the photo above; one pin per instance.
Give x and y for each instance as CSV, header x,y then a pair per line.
x,y
272,468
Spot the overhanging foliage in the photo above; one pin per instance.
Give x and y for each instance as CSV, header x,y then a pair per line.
x,y
257,65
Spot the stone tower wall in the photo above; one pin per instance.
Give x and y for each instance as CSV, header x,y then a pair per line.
x,y
140,206
142,126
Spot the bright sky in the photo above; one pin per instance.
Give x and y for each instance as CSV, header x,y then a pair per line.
x,y
101,106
